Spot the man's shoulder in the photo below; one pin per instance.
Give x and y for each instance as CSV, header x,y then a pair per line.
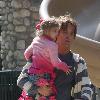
x,y
78,58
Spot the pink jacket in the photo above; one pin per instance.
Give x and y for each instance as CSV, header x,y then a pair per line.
x,y
44,56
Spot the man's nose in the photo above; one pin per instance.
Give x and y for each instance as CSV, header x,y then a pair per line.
x,y
66,35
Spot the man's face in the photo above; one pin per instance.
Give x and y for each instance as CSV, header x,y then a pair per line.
x,y
66,37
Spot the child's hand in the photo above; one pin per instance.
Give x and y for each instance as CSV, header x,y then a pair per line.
x,y
69,71
65,68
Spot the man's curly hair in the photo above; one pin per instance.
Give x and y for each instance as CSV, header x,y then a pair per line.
x,y
65,20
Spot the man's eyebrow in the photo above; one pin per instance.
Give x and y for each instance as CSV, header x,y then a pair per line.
x,y
64,30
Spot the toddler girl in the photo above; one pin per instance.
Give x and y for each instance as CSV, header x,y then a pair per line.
x,y
44,53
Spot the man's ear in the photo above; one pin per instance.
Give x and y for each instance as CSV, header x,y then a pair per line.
x,y
74,37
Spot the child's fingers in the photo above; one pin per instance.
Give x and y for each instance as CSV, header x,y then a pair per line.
x,y
68,72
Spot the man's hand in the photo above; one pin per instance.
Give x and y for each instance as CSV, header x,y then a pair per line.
x,y
28,98
45,90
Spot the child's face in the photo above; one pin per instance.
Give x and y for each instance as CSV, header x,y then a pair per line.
x,y
53,32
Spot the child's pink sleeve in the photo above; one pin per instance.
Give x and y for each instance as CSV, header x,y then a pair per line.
x,y
53,52
28,52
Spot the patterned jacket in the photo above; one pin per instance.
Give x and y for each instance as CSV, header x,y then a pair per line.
x,y
82,88
83,84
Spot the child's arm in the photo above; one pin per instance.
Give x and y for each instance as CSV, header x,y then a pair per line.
x,y
28,52
53,52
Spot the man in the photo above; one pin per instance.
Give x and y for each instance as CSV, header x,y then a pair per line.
x,y
78,79
77,84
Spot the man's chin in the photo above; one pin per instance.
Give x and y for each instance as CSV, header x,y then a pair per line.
x,y
67,45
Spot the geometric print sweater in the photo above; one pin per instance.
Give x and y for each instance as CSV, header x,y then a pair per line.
x,y
82,88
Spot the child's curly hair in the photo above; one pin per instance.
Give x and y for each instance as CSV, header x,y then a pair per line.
x,y
46,25
65,20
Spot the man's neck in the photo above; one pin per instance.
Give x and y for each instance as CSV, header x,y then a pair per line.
x,y
63,50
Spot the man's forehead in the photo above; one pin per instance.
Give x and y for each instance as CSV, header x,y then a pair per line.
x,y
68,26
